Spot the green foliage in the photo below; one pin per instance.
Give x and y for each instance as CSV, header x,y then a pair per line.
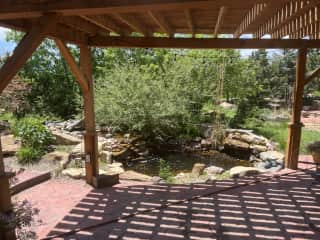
x,y
278,132
35,139
28,155
32,132
161,94
54,91
165,171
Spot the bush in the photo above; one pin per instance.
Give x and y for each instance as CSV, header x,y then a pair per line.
x,y
135,100
28,155
35,139
165,171
33,133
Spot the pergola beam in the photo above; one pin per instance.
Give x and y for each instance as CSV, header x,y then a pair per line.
x,y
201,43
14,10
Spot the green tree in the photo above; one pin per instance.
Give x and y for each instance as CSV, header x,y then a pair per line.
x,y
53,88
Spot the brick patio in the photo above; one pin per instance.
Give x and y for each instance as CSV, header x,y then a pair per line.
x,y
282,206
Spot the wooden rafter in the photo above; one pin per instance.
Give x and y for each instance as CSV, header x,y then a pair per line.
x,y
222,13
202,43
72,64
190,21
84,26
13,10
132,23
25,49
106,23
161,22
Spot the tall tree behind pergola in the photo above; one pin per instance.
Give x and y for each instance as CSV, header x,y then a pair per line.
x,y
122,23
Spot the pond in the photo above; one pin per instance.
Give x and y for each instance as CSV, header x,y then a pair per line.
x,y
183,162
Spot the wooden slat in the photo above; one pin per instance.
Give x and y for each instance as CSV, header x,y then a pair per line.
x,y
222,13
25,49
293,11
12,9
161,22
73,65
198,43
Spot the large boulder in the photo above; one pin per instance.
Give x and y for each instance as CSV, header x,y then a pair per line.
x,y
75,125
197,169
272,156
227,105
240,171
75,173
9,145
275,158
114,168
65,139
236,144
213,170
135,176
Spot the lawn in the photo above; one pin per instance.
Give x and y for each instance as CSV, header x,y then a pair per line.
x,y
278,132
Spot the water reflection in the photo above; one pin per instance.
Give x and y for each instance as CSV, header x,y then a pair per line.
x,y
183,162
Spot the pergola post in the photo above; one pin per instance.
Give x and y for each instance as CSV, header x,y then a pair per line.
x,y
5,200
293,145
90,135
21,54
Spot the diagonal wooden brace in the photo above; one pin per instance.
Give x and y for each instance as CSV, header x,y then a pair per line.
x,y
25,49
73,65
312,75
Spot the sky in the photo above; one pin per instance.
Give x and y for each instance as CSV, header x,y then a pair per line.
x,y
4,45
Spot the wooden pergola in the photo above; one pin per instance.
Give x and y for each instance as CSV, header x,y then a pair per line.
x,y
157,24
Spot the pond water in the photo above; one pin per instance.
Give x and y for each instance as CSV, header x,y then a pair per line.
x,y
183,162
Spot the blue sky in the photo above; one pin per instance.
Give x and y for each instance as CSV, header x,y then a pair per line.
x,y
4,45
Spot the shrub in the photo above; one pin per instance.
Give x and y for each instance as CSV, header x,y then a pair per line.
x,y
35,139
165,170
28,155
33,133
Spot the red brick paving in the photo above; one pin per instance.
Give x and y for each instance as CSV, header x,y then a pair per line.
x,y
287,207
